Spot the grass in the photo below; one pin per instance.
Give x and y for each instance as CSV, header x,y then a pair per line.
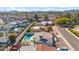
x,y
76,26
74,32
30,30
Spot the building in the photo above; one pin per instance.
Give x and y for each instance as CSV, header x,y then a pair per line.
x,y
42,47
1,21
46,22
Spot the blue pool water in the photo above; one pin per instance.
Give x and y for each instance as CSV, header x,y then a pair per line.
x,y
27,37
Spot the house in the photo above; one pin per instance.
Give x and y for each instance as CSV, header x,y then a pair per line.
x,y
42,47
1,21
13,23
3,39
49,22
36,28
27,48
46,22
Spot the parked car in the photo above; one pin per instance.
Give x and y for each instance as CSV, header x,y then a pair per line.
x,y
14,48
62,49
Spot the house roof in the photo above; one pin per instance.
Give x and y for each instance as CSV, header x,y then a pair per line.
x,y
41,47
3,39
27,48
1,21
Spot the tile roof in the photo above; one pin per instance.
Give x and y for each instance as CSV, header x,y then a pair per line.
x,y
41,47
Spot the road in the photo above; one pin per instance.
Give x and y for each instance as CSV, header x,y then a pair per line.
x,y
73,41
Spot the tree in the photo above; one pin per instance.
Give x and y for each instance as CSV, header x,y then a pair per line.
x,y
75,18
63,21
46,18
36,17
30,30
49,28
67,15
12,38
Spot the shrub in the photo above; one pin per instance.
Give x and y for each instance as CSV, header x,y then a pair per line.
x,y
49,28
29,30
74,32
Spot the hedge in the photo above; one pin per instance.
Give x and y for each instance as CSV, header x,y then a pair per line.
x,y
74,32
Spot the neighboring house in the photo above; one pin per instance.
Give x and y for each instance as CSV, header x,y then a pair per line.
x,y
13,23
8,26
41,19
27,48
36,28
49,22
1,21
3,39
42,47
46,23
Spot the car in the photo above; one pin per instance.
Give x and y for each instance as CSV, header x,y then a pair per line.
x,y
14,48
62,49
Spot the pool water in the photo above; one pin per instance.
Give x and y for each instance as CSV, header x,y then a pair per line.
x,y
27,37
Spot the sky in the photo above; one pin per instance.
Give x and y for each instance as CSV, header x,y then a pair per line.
x,y
37,8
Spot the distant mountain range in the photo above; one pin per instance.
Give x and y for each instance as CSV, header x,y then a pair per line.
x,y
30,9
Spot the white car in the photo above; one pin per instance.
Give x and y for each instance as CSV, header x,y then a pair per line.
x,y
62,49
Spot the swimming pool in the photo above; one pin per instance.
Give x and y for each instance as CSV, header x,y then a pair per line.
x,y
27,40
27,37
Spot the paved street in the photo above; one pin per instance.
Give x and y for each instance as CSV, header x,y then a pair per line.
x,y
74,42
